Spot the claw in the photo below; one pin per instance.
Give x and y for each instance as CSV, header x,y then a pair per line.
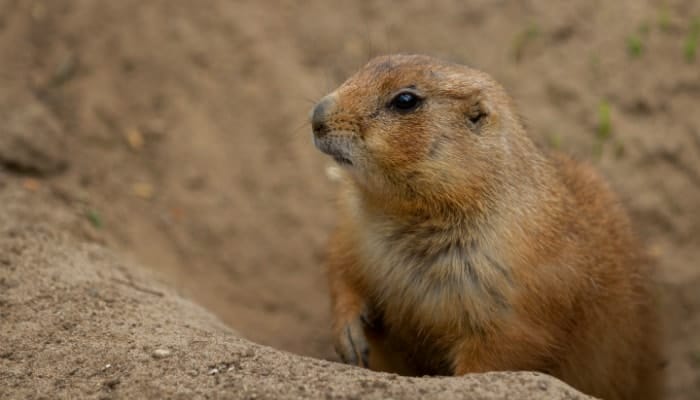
x,y
353,350
352,346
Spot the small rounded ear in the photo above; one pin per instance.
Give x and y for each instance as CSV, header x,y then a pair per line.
x,y
475,115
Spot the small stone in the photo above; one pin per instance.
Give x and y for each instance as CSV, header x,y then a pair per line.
x,y
112,383
142,190
31,184
134,138
161,353
656,250
213,371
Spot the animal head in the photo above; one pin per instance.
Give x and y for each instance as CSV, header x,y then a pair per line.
x,y
411,126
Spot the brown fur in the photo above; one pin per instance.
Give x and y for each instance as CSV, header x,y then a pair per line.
x,y
462,247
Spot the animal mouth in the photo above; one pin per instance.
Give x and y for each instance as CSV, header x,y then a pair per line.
x,y
337,148
342,160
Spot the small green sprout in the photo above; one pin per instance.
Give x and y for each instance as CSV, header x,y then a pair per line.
x,y
523,38
691,42
635,46
604,124
619,150
664,17
94,218
554,140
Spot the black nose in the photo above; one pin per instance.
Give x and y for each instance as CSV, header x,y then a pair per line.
x,y
318,116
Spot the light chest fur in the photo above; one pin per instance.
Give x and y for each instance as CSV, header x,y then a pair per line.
x,y
433,278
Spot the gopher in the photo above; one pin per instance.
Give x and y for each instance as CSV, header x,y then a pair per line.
x,y
463,247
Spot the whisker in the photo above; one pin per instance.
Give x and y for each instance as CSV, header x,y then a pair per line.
x,y
298,130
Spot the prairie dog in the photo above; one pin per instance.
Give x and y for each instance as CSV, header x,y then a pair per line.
x,y
462,247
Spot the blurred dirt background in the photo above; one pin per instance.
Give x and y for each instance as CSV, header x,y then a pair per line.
x,y
177,131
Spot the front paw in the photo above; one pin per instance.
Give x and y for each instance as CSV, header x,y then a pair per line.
x,y
351,344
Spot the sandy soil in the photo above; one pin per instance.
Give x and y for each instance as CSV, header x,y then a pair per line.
x,y
78,321
174,133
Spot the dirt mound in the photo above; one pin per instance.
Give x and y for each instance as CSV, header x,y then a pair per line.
x,y
174,133
79,322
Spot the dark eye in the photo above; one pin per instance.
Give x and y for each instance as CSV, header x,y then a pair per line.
x,y
405,102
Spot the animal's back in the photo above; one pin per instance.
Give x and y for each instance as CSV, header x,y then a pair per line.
x,y
617,336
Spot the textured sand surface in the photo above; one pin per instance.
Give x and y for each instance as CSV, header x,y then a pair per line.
x,y
77,321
